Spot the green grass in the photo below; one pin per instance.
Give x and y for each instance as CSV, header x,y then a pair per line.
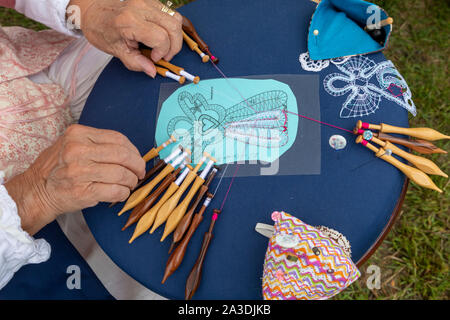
x,y
414,257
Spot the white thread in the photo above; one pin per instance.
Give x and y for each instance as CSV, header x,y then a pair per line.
x,y
364,95
312,65
187,75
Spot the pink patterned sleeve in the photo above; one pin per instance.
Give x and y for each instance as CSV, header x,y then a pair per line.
x,y
8,3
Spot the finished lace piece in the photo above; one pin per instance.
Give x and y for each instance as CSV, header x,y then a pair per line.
x,y
17,248
318,65
366,83
312,65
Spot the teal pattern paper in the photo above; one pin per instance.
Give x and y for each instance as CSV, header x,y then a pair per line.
x,y
231,119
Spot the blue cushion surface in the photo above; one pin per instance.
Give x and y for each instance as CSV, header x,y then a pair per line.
x,y
354,194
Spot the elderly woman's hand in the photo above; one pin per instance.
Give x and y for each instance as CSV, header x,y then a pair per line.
x,y
84,167
116,27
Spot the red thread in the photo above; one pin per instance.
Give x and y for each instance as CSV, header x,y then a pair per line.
x,y
229,187
365,125
321,122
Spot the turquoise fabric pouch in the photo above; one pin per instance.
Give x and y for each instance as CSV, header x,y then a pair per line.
x,y
337,29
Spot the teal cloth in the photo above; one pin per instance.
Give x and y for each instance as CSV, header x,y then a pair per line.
x,y
341,30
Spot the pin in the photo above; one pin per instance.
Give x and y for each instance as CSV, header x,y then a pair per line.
x,y
414,174
168,207
149,217
144,191
186,221
178,213
194,47
421,133
177,256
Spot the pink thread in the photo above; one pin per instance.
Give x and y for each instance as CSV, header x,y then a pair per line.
x,y
229,187
365,125
231,85
215,216
391,90
364,142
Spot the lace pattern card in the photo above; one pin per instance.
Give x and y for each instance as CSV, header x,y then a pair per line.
x,y
255,125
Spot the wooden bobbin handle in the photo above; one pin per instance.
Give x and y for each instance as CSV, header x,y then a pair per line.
x,y
171,67
381,24
421,133
423,164
414,174
194,47
194,277
177,255
421,146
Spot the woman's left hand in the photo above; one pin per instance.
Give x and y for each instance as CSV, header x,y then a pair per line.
x,y
116,27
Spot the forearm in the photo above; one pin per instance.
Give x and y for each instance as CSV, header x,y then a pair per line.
x,y
17,248
31,205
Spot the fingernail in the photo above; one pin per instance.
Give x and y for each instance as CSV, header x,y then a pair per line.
x,y
147,66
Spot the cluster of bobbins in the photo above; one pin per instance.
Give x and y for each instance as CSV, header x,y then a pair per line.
x,y
195,43
157,200
421,167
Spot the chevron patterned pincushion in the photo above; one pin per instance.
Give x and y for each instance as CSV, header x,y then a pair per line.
x,y
304,263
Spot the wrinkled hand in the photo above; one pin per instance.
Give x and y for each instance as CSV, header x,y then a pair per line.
x,y
84,167
117,27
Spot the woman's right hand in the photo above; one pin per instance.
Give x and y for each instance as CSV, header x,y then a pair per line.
x,y
84,167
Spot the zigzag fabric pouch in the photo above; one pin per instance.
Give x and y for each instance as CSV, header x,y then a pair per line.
x,y
304,262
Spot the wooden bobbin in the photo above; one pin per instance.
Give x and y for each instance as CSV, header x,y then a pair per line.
x,y
179,212
381,24
189,28
149,217
177,256
194,47
145,190
421,146
194,277
414,174
421,133
167,208
153,153
423,164
186,221
167,74
145,205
